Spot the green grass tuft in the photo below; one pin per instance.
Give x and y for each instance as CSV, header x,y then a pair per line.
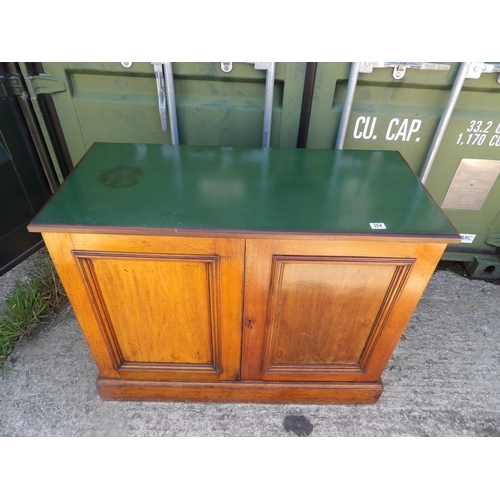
x,y
29,307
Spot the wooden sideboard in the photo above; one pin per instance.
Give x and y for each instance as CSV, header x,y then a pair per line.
x,y
242,275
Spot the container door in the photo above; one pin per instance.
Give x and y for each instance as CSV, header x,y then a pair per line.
x,y
107,102
23,187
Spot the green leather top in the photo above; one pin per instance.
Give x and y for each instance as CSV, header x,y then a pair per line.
x,y
239,189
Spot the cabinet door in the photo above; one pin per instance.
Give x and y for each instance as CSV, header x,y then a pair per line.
x,y
155,308
328,311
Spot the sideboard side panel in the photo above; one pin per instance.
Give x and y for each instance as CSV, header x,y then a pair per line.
x,y
60,247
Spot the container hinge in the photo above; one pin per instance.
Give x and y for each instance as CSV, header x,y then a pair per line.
x,y
476,69
401,67
493,240
263,66
10,86
227,67
45,84
37,84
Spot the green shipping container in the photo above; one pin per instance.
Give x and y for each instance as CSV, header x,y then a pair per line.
x,y
107,102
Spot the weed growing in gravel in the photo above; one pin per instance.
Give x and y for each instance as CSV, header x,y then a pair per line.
x,y
28,307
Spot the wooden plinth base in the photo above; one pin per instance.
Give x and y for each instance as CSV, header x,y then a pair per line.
x,y
241,392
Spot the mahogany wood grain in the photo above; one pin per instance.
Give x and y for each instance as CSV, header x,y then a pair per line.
x,y
143,243
324,320
150,303
60,249
321,311
219,233
241,392
427,257
129,291
156,315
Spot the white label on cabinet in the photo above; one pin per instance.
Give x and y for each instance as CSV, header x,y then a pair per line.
x,y
377,225
467,238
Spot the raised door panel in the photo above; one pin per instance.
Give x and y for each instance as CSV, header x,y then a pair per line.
x,y
322,311
158,312
166,316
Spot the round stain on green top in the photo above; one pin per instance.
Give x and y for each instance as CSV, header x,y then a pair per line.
x,y
121,177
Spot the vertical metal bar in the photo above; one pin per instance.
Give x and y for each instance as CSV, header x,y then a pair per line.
x,y
268,105
307,99
49,109
349,98
445,118
162,100
172,112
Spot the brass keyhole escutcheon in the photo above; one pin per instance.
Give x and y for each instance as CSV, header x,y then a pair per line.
x,y
249,326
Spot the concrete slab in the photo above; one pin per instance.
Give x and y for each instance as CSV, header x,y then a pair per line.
x,y
442,380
